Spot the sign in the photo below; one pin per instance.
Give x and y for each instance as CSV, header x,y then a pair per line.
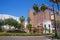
x,y
52,17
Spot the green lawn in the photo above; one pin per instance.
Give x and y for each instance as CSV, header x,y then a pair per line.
x,y
26,34
18,34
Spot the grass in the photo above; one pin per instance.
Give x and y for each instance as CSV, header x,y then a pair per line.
x,y
25,34
18,34
21,34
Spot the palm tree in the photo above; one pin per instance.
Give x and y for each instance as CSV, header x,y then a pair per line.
x,y
35,7
43,8
29,26
22,19
28,20
50,9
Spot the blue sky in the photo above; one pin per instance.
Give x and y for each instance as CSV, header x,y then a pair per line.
x,y
19,7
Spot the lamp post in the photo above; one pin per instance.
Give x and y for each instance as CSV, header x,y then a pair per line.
x,y
55,24
55,1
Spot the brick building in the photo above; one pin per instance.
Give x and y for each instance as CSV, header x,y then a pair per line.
x,y
42,18
38,18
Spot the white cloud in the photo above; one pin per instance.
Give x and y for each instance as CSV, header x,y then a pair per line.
x,y
6,16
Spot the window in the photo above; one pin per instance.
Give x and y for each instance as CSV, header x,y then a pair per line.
x,y
45,28
45,25
49,25
49,28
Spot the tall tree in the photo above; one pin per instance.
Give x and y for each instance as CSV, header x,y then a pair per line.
x,y
22,19
29,26
43,8
29,19
35,7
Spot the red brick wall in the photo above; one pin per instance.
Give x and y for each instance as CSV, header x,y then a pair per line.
x,y
47,15
30,14
38,18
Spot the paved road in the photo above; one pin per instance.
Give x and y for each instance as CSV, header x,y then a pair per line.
x,y
23,38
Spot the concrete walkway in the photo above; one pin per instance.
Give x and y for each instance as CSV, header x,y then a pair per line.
x,y
24,38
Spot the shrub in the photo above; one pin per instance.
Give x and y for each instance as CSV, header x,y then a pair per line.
x,y
58,36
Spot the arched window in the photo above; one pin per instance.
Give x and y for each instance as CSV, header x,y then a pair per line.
x,y
45,25
49,25
49,28
45,28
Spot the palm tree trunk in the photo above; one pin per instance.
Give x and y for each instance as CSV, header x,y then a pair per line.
x,y
50,20
44,20
36,18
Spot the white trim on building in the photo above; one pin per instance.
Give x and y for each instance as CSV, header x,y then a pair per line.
x,y
48,24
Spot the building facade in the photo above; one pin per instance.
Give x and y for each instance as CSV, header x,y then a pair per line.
x,y
42,18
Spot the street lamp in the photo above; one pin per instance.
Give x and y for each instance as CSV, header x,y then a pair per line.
x,y
55,25
53,19
55,1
